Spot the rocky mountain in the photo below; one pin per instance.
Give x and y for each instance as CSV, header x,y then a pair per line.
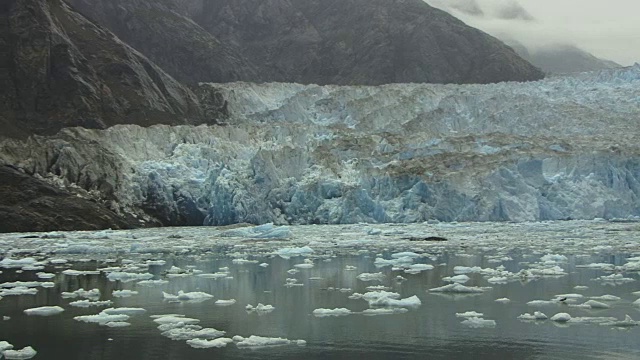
x,y
566,59
565,147
345,42
58,69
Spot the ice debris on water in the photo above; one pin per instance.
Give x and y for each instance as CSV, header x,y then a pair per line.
x,y
124,293
384,311
390,299
17,291
287,253
476,322
260,341
23,354
124,311
469,314
503,300
331,312
225,302
260,309
371,277
266,231
187,296
90,303
174,319
458,288
44,311
87,294
561,317
207,344
461,279
102,318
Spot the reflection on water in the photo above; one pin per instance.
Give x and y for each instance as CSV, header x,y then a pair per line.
x,y
430,331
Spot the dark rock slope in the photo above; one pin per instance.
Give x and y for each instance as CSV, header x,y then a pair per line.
x,y
30,204
310,41
58,69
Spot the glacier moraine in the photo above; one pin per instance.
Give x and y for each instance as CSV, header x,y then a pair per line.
x,y
540,290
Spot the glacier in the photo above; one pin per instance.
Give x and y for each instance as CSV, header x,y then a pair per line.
x,y
560,148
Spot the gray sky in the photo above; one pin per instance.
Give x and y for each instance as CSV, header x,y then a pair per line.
x,y
609,29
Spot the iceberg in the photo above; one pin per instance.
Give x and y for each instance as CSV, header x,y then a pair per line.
x,y
331,312
25,353
44,311
207,344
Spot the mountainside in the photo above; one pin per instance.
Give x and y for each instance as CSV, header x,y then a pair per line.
x,y
566,59
566,147
367,42
57,69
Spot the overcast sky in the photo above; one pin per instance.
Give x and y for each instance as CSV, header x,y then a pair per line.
x,y
609,29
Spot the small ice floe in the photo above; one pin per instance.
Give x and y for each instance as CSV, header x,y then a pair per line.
x,y
418,268
23,354
188,332
331,312
598,266
308,264
266,231
260,309
536,316
293,271
350,268
390,299
242,261
124,311
58,261
627,322
503,300
371,277
606,298
561,317
553,259
217,275
43,275
355,296
287,253
544,302
102,318
264,265
4,345
87,294
596,304
374,231
89,303
405,254
124,293
458,270
225,302
9,263
476,323
290,282
196,296
469,314
152,282
498,280
636,293
377,288
173,319
636,303
384,311
71,272
117,324
459,289
259,341
568,296
27,284
403,261
44,311
207,344
17,291
156,262
128,277
614,279
460,279
580,288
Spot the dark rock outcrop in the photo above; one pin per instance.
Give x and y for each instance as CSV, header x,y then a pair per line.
x,y
58,69
344,42
30,204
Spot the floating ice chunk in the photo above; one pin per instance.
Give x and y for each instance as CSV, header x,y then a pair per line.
x,y
243,261
371,277
152,282
117,324
331,312
124,293
218,275
350,268
475,322
503,300
460,279
580,287
599,266
260,309
17,291
207,344
125,311
458,288
89,303
58,261
526,317
377,288
25,353
636,303
418,268
71,272
43,275
188,333
561,317
466,270
290,282
605,298
266,231
554,258
174,319
405,254
498,280
264,265
596,305
627,322
543,302
259,341
636,293
190,296
90,294
570,296
101,318
27,284
287,253
304,266
540,315
128,277
404,261
9,263
44,311
469,314
5,346
384,311
156,262
225,302
614,279
390,299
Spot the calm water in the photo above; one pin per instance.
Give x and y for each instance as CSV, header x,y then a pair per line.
x,y
430,331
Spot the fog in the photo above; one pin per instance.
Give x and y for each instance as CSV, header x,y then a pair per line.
x,y
607,29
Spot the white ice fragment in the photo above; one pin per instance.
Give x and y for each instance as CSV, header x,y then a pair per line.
x,y
174,319
475,322
469,314
125,311
152,282
596,304
190,296
458,288
5,346
43,275
89,303
264,265
554,258
331,312
207,344
287,253
17,291
9,263
124,293
87,294
266,231
127,277
350,268
260,309
188,333
156,262
461,279
384,311
58,261
561,317
117,324
259,341
101,318
71,272
371,277
503,300
580,287
44,311
417,268
25,353
217,275
606,298
627,322
225,302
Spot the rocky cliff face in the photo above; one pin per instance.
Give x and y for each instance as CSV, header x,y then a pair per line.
x,y
57,69
561,148
309,41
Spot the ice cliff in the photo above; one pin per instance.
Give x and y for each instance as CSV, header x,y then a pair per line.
x,y
564,147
